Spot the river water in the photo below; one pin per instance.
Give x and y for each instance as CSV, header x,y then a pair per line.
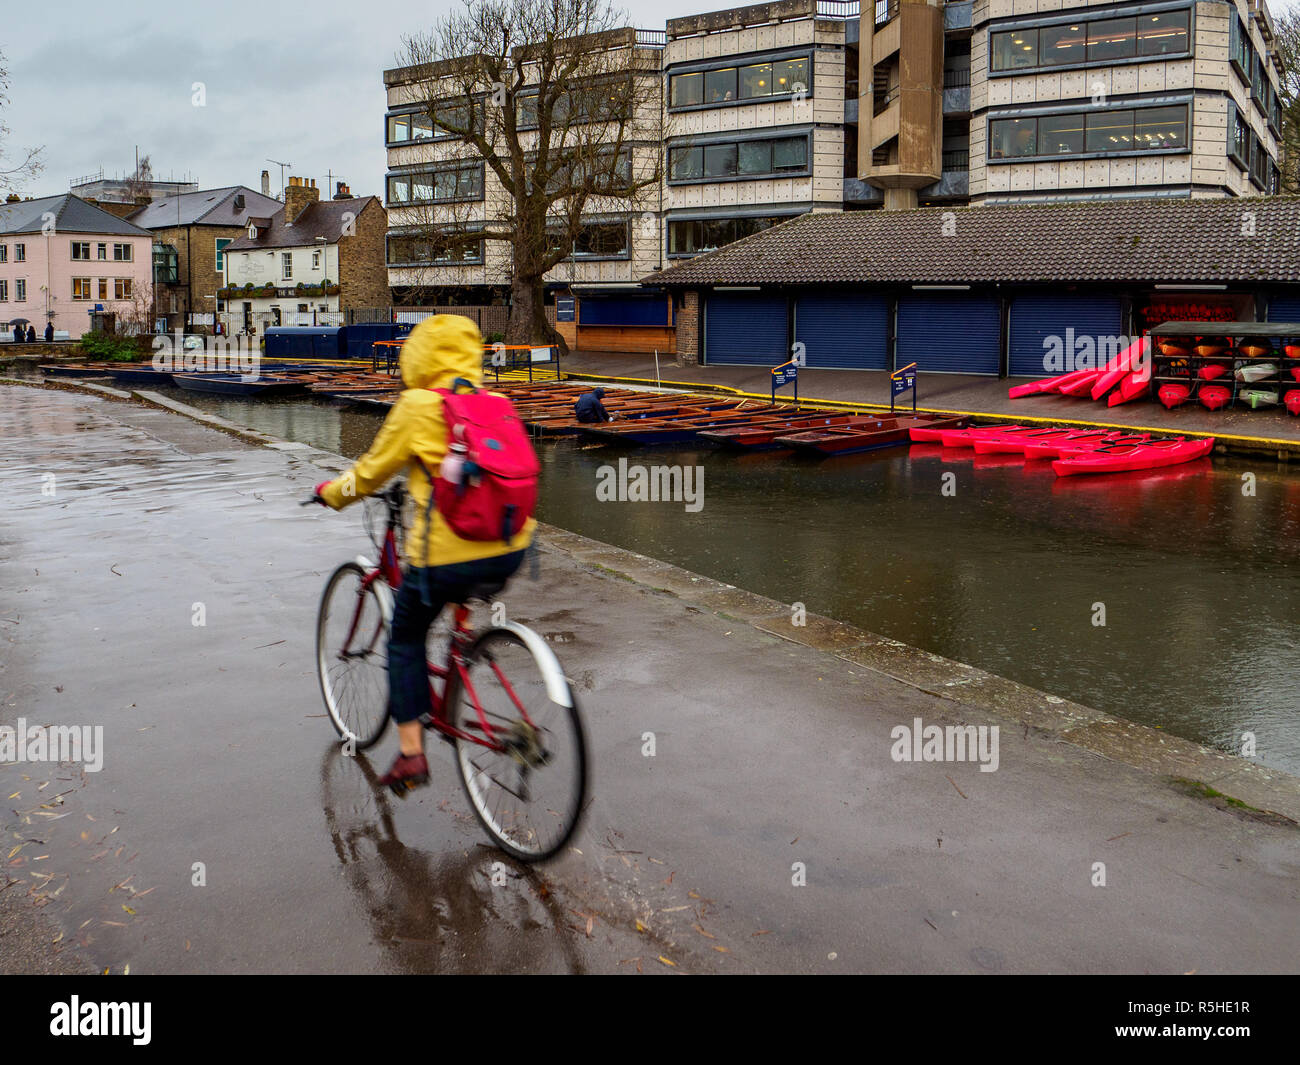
x,y
1195,571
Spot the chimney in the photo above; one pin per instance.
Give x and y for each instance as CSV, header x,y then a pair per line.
x,y
298,196
341,191
266,183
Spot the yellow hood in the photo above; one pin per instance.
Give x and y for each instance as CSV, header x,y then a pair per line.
x,y
441,349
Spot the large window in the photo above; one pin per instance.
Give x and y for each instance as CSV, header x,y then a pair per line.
x,y
412,127
81,250
20,253
81,288
4,253
286,265
436,186
596,240
221,247
1095,41
4,290
1238,137
708,234
424,125
123,253
1104,132
20,287
779,77
754,158
429,248
121,288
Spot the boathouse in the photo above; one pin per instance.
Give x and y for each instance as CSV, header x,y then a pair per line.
x,y
982,290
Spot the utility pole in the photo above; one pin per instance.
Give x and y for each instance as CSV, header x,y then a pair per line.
x,y
282,167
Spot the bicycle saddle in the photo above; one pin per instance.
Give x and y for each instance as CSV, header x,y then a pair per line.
x,y
485,592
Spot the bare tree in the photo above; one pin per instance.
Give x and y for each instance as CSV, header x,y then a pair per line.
x,y
1287,26
138,183
15,176
563,110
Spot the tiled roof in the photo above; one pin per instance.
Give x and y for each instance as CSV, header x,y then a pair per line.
x,y
207,207
1188,241
71,215
325,218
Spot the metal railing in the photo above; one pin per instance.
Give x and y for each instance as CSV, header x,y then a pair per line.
x,y
652,38
956,78
886,11
838,8
880,102
957,161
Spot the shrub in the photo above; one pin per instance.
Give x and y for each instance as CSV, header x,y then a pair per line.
x,y
107,346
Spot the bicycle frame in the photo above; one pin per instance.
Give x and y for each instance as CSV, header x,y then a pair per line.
x,y
389,570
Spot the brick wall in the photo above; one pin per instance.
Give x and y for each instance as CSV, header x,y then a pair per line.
x,y
196,266
688,329
363,271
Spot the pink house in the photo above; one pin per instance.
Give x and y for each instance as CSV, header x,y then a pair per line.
x,y
65,261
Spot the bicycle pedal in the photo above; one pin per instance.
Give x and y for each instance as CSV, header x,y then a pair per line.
x,y
402,788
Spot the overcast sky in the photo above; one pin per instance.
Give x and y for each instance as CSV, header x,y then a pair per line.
x,y
301,83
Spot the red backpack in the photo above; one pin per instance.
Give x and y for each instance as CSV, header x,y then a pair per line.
x,y
486,485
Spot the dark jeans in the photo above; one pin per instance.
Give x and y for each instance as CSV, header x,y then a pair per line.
x,y
408,672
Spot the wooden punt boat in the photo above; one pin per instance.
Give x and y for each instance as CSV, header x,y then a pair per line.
x,y
757,437
235,385
674,430
142,374
879,432
75,369
1121,458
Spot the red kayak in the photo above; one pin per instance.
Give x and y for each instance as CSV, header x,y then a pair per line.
x,y
1082,385
1081,442
1134,385
1292,401
1173,395
967,437
1117,369
1033,388
1120,458
1213,397
1211,370
1015,443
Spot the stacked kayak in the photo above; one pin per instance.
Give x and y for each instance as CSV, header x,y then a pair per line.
x,y
1124,377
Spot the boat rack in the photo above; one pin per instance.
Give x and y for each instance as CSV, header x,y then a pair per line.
x,y
1180,350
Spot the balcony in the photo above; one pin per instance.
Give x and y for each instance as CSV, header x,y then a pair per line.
x,y
956,91
880,101
858,192
957,15
886,12
838,9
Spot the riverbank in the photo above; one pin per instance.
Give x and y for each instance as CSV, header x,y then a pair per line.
x,y
1268,432
771,768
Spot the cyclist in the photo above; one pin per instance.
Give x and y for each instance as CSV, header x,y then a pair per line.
x,y
441,567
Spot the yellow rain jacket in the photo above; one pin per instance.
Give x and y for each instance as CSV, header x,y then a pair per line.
x,y
439,350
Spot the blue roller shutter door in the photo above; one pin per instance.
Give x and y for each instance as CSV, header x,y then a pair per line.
x,y
950,334
1284,309
745,330
1035,318
843,330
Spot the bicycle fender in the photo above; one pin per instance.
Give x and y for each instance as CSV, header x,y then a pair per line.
x,y
381,588
557,685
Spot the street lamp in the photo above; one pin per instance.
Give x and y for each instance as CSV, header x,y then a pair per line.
x,y
324,276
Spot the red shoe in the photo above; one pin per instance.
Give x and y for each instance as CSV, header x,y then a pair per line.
x,y
409,771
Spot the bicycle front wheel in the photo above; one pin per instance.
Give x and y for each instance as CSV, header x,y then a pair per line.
x,y
352,655
527,778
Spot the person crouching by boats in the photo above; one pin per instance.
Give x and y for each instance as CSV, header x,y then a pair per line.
x,y
589,408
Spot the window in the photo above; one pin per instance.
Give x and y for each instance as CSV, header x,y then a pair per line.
x,y
754,158
80,250
720,160
103,288
1110,39
1159,128
221,259
315,260
1238,137
1109,131
687,89
1060,135
286,265
1162,34
720,85
20,289
4,290
1011,137
693,237
791,75
4,253
605,240
412,127
1240,51
81,288
1015,49
123,253
756,80
101,252
20,253
1105,132
1062,45
433,186
122,288
432,248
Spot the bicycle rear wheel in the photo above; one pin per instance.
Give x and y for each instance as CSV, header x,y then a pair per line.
x,y
530,790
352,655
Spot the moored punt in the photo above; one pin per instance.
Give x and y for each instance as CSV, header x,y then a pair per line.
x,y
673,430
237,385
1120,458
756,437
75,369
878,432
140,374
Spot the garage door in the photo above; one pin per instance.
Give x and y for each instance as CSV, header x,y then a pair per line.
x,y
950,334
745,330
1036,318
1284,309
843,330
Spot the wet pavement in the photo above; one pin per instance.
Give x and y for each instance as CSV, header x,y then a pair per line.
x,y
770,830
1271,429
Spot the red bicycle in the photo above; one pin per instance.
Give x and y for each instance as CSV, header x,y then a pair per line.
x,y
499,696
